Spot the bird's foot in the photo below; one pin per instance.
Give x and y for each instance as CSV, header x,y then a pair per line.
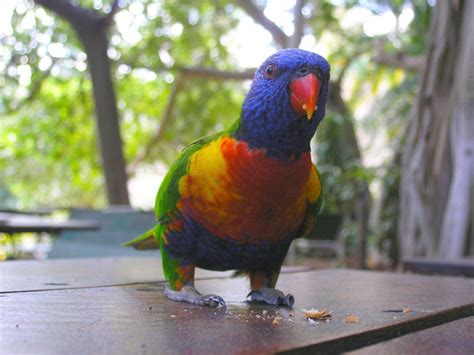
x,y
271,296
191,295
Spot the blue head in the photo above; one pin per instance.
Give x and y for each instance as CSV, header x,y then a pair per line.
x,y
285,103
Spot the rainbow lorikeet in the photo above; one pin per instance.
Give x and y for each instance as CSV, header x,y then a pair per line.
x,y
237,199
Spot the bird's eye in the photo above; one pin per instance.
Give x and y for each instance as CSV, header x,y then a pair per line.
x,y
303,70
319,74
270,70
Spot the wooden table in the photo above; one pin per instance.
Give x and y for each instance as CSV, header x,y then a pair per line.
x,y
116,306
432,266
21,223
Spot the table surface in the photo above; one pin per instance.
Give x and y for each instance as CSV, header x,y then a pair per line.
x,y
21,223
455,337
117,306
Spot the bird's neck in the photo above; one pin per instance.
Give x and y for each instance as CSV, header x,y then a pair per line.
x,y
284,141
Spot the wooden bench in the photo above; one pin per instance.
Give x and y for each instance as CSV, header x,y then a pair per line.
x,y
12,223
324,236
327,227
118,225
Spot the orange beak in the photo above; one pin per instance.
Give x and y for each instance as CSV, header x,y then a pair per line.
x,y
304,94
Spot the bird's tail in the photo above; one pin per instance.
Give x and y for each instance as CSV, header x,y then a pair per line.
x,y
145,241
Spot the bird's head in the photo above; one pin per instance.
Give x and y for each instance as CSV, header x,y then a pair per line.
x,y
286,102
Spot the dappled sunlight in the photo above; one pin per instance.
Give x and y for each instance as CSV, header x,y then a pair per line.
x,y
180,71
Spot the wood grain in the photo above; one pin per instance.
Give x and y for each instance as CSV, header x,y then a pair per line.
x,y
21,276
138,319
451,338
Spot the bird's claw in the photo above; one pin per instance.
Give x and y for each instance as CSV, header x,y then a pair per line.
x,y
212,301
191,295
271,296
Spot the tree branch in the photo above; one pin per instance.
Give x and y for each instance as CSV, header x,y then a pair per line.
x,y
200,72
298,23
280,38
396,60
78,16
108,18
36,86
348,63
164,123
217,74
186,73
81,19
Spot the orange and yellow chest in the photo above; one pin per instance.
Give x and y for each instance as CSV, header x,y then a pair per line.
x,y
241,194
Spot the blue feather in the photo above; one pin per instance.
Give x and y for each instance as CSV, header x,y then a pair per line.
x,y
267,119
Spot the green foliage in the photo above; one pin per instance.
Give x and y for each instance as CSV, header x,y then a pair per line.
x,y
48,148
47,117
49,151
341,170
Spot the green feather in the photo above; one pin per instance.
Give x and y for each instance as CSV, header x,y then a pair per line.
x,y
143,242
168,193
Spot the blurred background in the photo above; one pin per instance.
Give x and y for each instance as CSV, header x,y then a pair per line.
x,y
99,96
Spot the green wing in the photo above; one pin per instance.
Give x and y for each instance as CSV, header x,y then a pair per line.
x,y
143,242
168,195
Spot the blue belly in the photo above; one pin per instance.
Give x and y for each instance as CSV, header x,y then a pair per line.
x,y
196,246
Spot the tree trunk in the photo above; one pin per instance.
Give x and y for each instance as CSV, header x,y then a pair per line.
x,y
459,209
437,181
110,141
92,30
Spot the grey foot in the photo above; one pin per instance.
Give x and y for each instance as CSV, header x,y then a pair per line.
x,y
191,295
271,296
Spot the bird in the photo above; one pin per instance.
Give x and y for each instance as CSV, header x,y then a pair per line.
x,y
235,200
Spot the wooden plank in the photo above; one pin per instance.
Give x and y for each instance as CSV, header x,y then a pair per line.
x,y
28,275
18,223
20,276
139,319
452,267
455,337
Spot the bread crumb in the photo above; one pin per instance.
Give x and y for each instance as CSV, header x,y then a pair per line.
x,y
317,315
351,319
